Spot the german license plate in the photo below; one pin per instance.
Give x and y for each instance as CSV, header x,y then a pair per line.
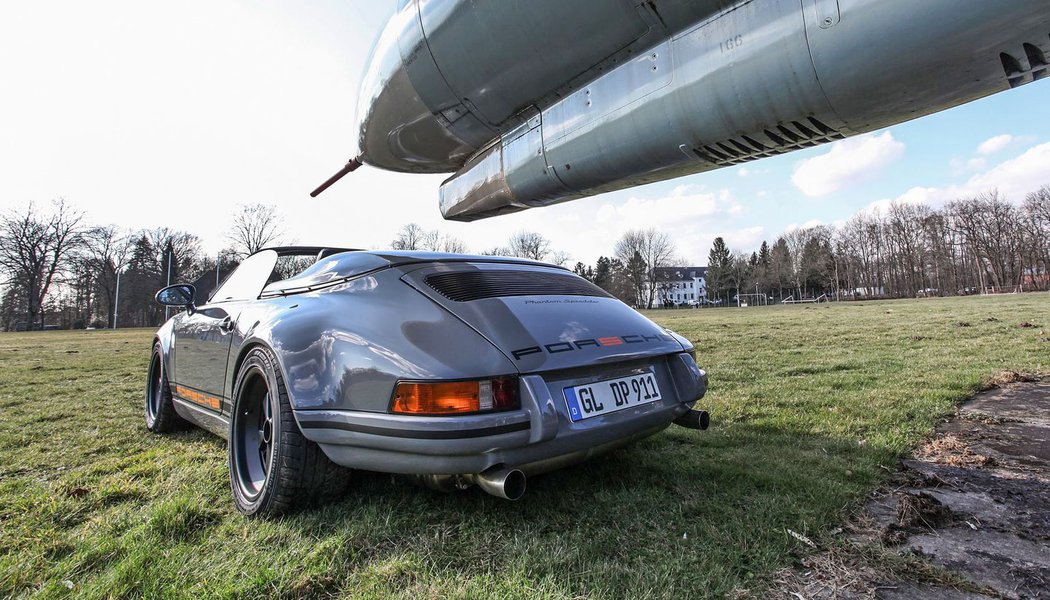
x,y
611,395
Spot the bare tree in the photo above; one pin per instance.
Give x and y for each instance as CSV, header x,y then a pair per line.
x,y
107,251
1036,209
255,226
559,258
796,241
34,249
452,245
409,237
655,249
990,226
529,244
431,241
414,237
180,252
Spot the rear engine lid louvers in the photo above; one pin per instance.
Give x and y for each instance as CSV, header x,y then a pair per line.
x,y
464,286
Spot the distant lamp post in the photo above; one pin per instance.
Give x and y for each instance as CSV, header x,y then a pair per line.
x,y
116,301
170,252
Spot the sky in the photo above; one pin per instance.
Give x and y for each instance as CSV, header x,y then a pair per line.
x,y
146,114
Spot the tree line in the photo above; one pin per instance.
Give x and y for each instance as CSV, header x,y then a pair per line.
x,y
972,245
59,271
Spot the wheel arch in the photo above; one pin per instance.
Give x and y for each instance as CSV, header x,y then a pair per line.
x,y
165,336
242,354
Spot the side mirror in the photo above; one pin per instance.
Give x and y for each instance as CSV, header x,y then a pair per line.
x,y
181,294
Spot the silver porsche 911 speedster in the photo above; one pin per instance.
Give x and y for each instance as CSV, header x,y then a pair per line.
x,y
459,370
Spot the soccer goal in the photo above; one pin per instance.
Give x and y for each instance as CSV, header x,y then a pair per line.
x,y
1001,289
791,300
745,300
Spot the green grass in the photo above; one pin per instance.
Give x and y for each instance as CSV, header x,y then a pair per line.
x,y
810,404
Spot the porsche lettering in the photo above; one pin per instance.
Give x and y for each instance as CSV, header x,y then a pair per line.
x,y
602,342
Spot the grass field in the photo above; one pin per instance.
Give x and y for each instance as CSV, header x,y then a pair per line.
x,y
809,404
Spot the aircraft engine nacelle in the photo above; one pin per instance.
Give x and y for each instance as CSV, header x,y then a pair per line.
x,y
702,85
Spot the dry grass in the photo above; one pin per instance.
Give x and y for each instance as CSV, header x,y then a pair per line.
x,y
950,450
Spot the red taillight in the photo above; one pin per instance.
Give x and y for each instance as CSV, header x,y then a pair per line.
x,y
505,393
459,397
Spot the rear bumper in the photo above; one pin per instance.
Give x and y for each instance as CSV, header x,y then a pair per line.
x,y
538,437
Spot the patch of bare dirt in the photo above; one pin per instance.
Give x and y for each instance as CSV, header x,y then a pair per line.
x,y
968,516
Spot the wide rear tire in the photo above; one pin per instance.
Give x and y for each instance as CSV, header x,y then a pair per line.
x,y
273,468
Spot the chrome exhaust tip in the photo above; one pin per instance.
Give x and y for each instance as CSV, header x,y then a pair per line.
x,y
694,419
501,482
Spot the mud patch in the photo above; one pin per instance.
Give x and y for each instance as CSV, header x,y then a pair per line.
x,y
968,516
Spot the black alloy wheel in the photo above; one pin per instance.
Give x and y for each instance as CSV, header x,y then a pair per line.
x,y
253,435
160,410
272,466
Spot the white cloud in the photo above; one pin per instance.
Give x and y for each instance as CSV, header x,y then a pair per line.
x,y
1014,179
848,162
743,172
746,239
961,166
685,203
807,225
995,144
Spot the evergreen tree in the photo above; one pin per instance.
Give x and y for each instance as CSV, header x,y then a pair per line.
x,y
719,269
762,269
603,274
817,266
138,284
780,267
584,271
637,272
620,284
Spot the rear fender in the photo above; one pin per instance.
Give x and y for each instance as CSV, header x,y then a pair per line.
x,y
346,347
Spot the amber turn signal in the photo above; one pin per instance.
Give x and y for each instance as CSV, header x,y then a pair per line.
x,y
458,397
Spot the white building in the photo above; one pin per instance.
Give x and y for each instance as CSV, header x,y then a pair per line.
x,y
680,286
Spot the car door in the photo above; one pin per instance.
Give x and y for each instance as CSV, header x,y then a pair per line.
x,y
203,337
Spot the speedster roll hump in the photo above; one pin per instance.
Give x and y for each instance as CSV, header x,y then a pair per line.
x,y
459,370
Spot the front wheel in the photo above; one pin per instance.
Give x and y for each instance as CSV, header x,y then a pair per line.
x,y
160,410
272,466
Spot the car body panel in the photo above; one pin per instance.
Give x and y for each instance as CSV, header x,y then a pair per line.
x,y
350,359
474,444
202,348
553,331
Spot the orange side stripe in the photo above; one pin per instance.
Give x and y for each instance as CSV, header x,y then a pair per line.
x,y
197,397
